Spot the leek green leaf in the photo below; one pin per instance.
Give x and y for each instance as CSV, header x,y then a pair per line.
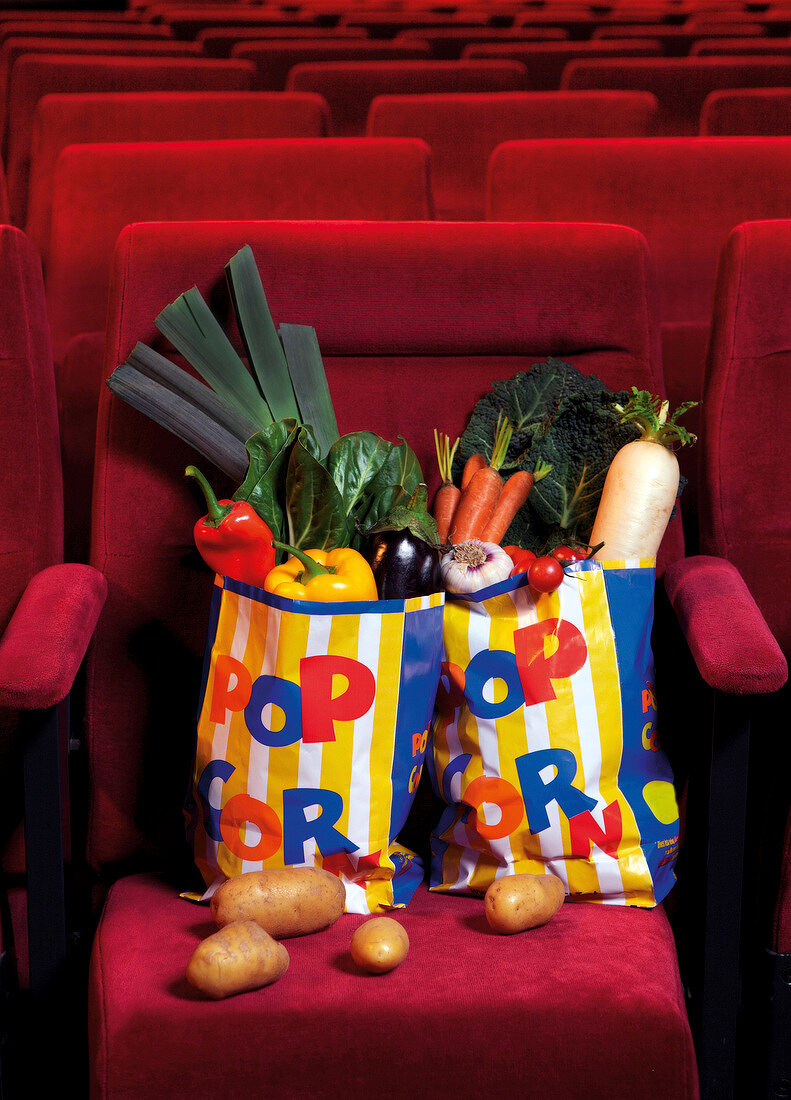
x,y
310,382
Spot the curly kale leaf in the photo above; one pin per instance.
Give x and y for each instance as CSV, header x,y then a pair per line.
x,y
579,445
531,401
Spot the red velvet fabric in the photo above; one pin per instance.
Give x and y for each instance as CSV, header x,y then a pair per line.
x,y
186,21
680,83
393,304
35,75
463,128
756,111
747,661
98,189
350,86
31,537
709,47
273,60
43,646
82,118
545,61
588,1005
84,29
748,394
676,41
447,43
638,183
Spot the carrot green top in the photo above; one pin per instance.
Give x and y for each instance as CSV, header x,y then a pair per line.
x,y
650,415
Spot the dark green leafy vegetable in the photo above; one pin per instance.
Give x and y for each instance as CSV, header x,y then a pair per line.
x,y
565,419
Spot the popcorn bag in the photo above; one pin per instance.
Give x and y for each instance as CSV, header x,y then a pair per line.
x,y
546,749
312,730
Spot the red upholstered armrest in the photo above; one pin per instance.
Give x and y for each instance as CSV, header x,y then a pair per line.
x,y
731,644
45,642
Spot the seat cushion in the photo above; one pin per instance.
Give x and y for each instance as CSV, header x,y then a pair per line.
x,y
588,1005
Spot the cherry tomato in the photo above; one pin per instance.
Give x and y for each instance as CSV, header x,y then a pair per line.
x,y
545,574
522,559
568,554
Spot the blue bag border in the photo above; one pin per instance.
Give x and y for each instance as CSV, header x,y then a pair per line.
x,y
314,607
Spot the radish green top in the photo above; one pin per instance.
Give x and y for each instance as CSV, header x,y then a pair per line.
x,y
650,415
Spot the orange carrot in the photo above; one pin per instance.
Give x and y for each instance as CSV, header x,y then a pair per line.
x,y
473,464
479,499
448,495
515,492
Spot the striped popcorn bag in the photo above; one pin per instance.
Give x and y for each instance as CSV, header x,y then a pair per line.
x,y
545,743
312,730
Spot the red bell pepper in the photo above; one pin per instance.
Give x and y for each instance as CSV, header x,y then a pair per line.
x,y
232,538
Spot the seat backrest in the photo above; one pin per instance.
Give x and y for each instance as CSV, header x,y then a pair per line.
x,y
447,43
349,86
187,21
545,61
678,41
745,493
441,311
744,111
684,194
14,48
681,84
31,492
82,29
98,189
219,41
707,47
92,117
463,129
35,75
273,60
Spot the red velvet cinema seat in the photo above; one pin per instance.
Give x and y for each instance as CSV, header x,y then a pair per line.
x,y
463,129
273,60
36,75
47,613
545,61
219,41
93,117
592,1003
745,505
747,111
98,189
684,194
447,43
680,83
349,87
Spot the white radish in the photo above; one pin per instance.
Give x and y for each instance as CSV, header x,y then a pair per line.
x,y
642,482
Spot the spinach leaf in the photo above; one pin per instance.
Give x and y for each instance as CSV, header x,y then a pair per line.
x,y
315,510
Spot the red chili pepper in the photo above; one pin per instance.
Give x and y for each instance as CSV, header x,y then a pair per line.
x,y
522,559
232,538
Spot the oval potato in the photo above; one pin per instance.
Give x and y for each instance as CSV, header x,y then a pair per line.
x,y
379,945
239,957
518,902
284,901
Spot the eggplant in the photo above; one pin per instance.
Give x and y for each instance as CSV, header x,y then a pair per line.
x,y
403,551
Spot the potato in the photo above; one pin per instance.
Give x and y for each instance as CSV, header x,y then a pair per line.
x,y
285,901
240,957
518,902
379,945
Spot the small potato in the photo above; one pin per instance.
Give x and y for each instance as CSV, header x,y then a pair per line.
x,y
518,902
240,957
379,945
284,901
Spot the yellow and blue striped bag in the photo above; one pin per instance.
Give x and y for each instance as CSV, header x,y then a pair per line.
x,y
312,730
545,743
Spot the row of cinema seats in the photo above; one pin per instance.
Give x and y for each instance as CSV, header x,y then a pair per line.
x,y
601,982
82,197
79,202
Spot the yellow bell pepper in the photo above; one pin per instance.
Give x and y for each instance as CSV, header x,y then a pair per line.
x,y
326,576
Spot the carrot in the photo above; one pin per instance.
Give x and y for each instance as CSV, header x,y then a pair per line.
x,y
641,485
483,490
448,495
515,492
473,464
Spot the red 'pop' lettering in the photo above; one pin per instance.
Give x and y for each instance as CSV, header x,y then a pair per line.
x,y
536,668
